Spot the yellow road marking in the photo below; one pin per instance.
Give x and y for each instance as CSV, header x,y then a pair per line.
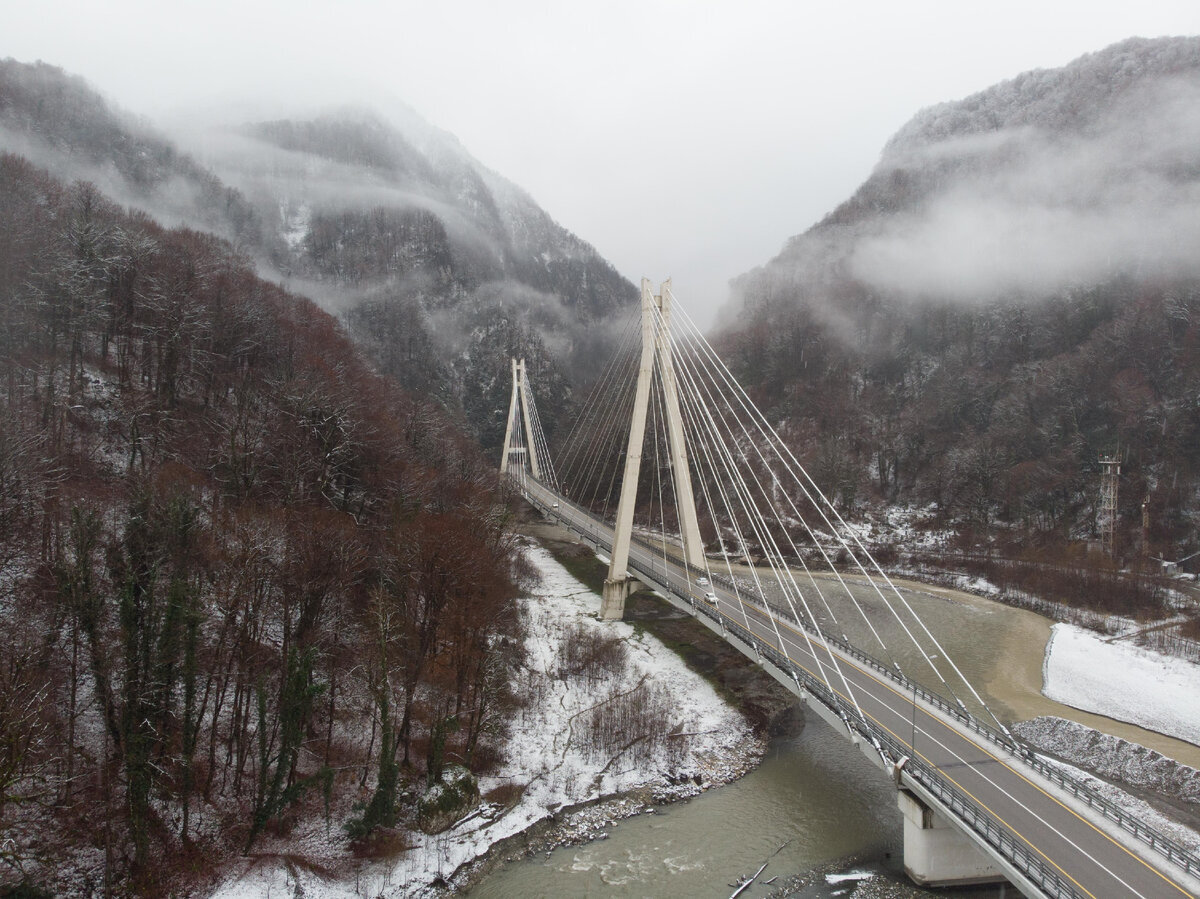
x,y
809,641
935,767
889,687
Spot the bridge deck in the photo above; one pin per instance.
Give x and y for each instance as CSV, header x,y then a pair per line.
x,y
1000,792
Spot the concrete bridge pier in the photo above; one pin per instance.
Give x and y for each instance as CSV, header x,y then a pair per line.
x,y
612,603
937,854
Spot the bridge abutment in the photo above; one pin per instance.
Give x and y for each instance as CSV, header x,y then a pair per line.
x,y
938,854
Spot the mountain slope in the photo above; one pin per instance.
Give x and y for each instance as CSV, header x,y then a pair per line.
x,y
60,122
431,259
403,229
494,229
1013,292
222,538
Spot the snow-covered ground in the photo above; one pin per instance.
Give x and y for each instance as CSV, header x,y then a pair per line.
x,y
546,755
1111,757
1117,679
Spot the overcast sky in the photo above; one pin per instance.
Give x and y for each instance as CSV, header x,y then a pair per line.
x,y
682,139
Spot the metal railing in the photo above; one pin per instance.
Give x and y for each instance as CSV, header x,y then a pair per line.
x,y
979,820
970,813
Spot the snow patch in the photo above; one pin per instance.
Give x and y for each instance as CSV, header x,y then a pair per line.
x,y
1122,681
849,875
295,224
543,755
1143,811
1110,756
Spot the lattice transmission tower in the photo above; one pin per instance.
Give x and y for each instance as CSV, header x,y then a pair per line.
x,y
1110,474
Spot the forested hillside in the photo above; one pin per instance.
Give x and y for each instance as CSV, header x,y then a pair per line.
x,y
439,267
242,576
1012,294
442,268
60,121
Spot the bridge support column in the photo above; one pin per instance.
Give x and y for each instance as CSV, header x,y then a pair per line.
x,y
656,350
938,854
612,603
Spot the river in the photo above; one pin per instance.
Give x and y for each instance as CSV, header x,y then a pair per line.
x,y
814,794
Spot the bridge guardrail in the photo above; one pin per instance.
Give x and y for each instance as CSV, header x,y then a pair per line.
x,y
982,822
1015,851
1160,843
1156,840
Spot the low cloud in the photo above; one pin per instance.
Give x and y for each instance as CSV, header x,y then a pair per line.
x,y
971,245
1029,211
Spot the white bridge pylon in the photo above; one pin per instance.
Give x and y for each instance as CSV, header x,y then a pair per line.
x,y
814,630
656,353
524,442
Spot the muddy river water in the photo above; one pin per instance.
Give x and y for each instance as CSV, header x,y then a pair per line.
x,y
813,795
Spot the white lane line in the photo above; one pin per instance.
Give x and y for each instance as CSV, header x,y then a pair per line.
x,y
1001,789
873,682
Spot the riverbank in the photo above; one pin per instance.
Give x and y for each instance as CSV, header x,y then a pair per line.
x,y
856,878
1015,688
768,709
771,709
1001,646
612,724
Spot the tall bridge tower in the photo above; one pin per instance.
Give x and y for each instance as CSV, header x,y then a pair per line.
x,y
656,357
520,398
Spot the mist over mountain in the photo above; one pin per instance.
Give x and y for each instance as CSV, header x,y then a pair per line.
x,y
410,237
1054,179
58,121
1014,291
440,268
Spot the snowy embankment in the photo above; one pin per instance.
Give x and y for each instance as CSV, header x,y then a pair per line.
x,y
1185,836
705,742
1111,757
1114,757
1086,671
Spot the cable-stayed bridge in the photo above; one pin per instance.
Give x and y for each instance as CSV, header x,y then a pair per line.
x,y
731,528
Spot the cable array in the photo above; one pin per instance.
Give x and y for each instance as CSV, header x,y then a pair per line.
x,y
539,435
778,498
590,456
781,543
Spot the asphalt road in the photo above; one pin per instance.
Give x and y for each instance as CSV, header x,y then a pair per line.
x,y
1081,852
